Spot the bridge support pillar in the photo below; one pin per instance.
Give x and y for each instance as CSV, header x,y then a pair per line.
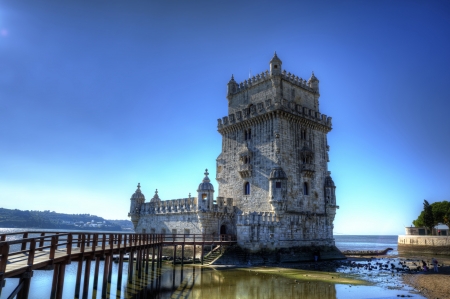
x,y
87,273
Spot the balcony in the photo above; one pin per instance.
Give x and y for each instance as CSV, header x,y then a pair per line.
x,y
307,169
245,170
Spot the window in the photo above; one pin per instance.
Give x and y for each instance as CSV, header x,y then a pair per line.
x,y
153,231
204,196
247,188
278,185
163,231
248,134
305,188
187,231
174,231
275,66
303,134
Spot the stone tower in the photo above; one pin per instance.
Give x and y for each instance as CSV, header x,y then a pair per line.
x,y
274,161
275,190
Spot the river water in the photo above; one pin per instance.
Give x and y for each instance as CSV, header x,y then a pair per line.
x,y
206,282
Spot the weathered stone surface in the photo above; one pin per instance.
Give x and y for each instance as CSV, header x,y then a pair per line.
x,y
275,190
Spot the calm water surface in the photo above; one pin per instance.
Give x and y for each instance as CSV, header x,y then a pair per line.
x,y
199,282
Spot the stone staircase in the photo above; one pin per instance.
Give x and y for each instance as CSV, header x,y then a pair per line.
x,y
214,254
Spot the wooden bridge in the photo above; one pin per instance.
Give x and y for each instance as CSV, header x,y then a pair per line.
x,y
24,252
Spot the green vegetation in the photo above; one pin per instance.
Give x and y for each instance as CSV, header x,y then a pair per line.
x,y
46,219
337,278
433,214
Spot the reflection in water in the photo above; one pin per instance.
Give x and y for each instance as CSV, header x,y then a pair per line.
x,y
200,282
197,282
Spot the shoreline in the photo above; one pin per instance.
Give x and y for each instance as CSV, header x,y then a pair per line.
x,y
380,272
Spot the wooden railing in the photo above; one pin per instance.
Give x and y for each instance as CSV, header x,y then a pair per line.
x,y
21,253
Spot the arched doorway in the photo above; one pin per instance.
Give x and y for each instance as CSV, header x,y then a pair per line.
x,y
223,229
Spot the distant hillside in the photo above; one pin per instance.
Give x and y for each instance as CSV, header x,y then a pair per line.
x,y
46,219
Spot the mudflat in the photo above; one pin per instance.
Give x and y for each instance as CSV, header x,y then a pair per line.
x,y
431,284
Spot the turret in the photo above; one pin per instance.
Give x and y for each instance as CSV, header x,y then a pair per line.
x,y
278,189
136,201
313,82
275,65
330,195
231,87
205,193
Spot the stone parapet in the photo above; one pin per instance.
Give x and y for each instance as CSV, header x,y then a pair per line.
x,y
265,76
266,108
435,245
170,206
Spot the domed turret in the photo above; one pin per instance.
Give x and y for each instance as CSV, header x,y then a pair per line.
x,y
155,197
275,65
205,193
206,185
330,194
136,201
138,195
231,86
313,82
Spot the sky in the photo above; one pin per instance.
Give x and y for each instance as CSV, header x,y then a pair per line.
x,y
98,95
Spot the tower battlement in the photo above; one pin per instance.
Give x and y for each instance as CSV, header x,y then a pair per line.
x,y
264,108
266,76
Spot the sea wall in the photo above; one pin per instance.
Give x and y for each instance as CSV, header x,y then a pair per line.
x,y
435,245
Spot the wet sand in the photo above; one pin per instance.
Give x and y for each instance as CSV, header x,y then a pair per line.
x,y
429,284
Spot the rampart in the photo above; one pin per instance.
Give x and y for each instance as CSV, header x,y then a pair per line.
x,y
434,245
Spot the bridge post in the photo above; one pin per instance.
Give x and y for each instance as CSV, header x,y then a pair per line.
x,y
111,248
105,275
58,281
87,272
97,259
147,253
174,253
4,250
153,252
203,248
120,270
80,243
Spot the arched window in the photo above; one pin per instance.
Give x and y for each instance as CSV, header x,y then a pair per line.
x,y
247,188
204,196
305,188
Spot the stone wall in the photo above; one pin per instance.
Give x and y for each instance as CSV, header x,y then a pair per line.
x,y
434,245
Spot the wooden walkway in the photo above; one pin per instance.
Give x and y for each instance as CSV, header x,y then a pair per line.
x,y
26,252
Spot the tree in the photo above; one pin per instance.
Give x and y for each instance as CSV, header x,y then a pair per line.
x,y
441,212
428,218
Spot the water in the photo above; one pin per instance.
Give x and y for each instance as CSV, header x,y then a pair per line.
x,y
204,282
354,242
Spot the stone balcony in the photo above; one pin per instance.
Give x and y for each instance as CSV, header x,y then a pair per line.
x,y
307,169
245,170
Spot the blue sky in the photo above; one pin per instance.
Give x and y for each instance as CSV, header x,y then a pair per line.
x,y
96,96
